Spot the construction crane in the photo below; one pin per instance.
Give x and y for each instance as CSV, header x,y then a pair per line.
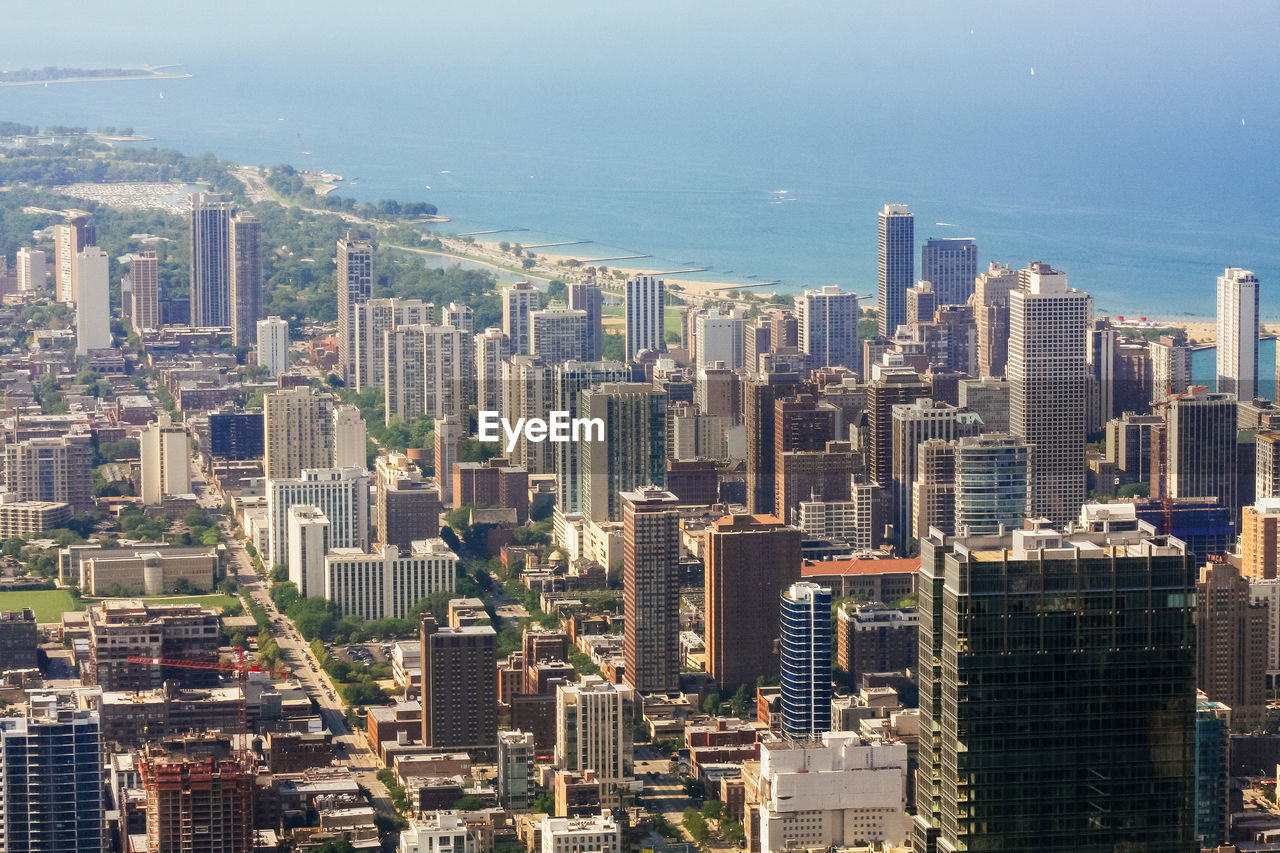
x,y
241,668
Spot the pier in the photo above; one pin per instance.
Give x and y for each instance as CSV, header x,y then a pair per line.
x,y
618,258
490,231
561,243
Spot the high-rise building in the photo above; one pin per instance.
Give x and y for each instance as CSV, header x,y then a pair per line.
x,y
1048,379
373,319
389,581
633,450
341,494
1231,644
991,313
461,317
298,429
211,259
1020,647
527,392
273,345
144,290
51,791
245,247
459,691
933,494
759,397
1213,772
491,347
651,576
518,302
951,264
814,475
350,438
749,561
806,660
354,279
447,440
69,240
429,371
408,506
93,301
897,265
646,313
892,387
51,469
569,380
1260,540
914,423
720,340
1129,439
166,467
308,542
123,628
1199,446
922,303
594,732
31,269
559,334
1170,366
1237,342
992,483
516,758
874,638
199,796
828,327
586,296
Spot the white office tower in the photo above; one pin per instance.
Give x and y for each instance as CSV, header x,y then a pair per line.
x,y
593,731
1048,382
429,372
166,469
308,543
51,790
373,319
518,302
719,339
341,494
834,792
31,266
144,290
491,347
93,305
273,345
645,305
350,438
828,328
1238,333
297,431
388,582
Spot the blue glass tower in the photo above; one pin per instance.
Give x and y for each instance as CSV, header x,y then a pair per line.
x,y
806,660
1213,736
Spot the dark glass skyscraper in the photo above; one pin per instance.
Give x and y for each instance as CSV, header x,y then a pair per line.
x,y
951,265
806,660
1057,693
211,259
897,265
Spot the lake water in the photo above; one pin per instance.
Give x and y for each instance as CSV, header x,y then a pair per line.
x,y
1137,154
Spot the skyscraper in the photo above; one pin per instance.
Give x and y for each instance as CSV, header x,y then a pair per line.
x,y
991,483
651,589
166,469
1048,379
633,452
93,302
145,290
341,494
1237,348
951,264
69,240
586,296
355,285
806,660
897,265
518,301
201,801
32,268
298,429
1170,366
51,469
750,560
1199,446
428,372
645,310
211,259
491,347
246,277
1116,760
991,313
408,506
374,318
459,690
273,345
350,438
559,334
51,791
594,731
1231,644
828,328
569,380
914,423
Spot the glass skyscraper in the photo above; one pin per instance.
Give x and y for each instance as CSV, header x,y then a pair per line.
x,y
806,660
991,483
1057,693
950,264
897,265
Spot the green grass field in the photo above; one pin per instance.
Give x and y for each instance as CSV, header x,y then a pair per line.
x,y
48,604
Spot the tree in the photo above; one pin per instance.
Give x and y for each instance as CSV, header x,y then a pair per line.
x,y
1135,490
13,547
696,825
738,704
544,803
711,704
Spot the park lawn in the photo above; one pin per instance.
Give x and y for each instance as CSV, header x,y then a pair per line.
x,y
673,322
48,604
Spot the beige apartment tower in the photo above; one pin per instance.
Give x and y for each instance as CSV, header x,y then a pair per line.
x,y
298,431
651,589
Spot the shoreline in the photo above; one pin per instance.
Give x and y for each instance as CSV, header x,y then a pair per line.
x,y
161,75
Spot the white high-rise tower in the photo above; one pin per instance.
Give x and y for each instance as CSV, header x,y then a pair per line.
x,y
1238,333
